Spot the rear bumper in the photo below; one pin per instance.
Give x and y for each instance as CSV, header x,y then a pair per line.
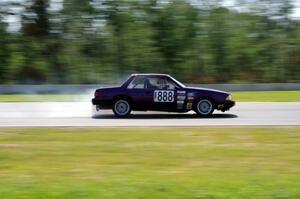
x,y
226,105
102,104
95,101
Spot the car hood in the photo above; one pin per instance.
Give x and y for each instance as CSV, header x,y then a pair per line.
x,y
206,89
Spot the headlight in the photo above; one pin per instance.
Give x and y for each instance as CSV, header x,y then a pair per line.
x,y
229,98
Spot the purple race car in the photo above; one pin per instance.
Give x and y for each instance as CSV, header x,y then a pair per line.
x,y
160,92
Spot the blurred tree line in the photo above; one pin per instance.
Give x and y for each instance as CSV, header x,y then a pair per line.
x,y
101,41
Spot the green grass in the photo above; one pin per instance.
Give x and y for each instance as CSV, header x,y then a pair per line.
x,y
267,96
264,96
144,163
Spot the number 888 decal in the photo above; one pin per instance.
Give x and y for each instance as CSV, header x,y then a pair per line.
x,y
163,96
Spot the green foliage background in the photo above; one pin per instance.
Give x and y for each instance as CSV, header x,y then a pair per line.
x,y
102,41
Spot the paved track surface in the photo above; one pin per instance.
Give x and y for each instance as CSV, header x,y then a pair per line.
x,y
80,114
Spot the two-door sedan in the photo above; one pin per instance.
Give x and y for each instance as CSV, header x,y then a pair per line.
x,y
160,92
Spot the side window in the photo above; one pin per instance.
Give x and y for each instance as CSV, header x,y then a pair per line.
x,y
169,85
158,83
152,83
137,82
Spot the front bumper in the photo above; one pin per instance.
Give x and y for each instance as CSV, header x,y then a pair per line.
x,y
226,105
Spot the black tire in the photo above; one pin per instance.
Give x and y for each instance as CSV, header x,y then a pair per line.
x,y
121,107
204,107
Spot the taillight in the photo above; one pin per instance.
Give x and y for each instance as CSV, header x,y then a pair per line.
x,y
97,93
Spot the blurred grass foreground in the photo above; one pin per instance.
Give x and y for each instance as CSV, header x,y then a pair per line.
x,y
164,163
101,41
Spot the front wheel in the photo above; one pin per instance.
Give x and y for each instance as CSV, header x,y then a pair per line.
x,y
121,108
204,107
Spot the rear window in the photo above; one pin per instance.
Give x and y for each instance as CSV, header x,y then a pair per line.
x,y
137,82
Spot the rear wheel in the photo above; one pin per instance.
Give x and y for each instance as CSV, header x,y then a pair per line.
x,y
204,107
122,108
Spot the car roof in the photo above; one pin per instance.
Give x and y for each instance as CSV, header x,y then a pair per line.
x,y
151,74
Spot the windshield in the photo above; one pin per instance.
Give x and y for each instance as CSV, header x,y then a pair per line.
x,y
177,82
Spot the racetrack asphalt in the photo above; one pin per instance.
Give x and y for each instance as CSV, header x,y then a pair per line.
x,y
80,114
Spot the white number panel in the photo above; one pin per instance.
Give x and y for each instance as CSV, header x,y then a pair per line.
x,y
163,96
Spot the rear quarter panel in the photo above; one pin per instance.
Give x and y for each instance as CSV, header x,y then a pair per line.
x,y
110,93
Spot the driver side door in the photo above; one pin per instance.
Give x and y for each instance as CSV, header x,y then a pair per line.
x,y
161,96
